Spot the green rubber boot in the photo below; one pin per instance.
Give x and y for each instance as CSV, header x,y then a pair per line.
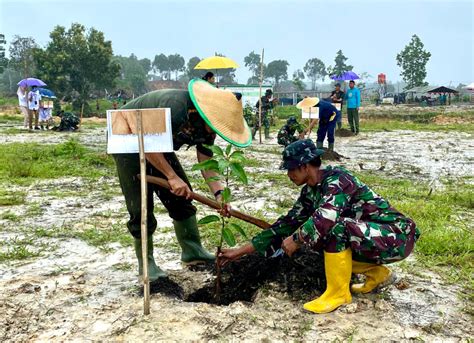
x,y
187,234
154,272
319,145
331,146
267,133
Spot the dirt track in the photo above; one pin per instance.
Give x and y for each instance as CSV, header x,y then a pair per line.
x,y
75,291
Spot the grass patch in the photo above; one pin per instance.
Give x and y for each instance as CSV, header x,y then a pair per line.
x,y
447,241
27,162
10,216
17,249
11,198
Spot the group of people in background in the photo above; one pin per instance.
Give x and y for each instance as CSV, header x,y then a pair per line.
x,y
330,117
34,108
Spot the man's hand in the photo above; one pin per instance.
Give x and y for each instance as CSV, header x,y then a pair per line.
x,y
179,187
289,246
224,211
229,255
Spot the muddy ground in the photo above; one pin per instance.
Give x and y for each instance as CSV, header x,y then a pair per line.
x,y
75,290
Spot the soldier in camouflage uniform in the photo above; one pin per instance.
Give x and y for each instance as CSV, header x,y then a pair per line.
x,y
286,135
266,106
357,229
69,122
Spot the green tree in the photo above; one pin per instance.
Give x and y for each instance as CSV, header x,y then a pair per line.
x,y
3,60
277,70
175,63
161,65
190,71
315,69
413,59
298,76
76,63
253,62
146,64
132,75
340,66
21,55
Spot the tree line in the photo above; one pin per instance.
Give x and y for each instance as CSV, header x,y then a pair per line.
x,y
78,63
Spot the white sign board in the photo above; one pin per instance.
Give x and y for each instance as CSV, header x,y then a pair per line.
x,y
337,105
310,113
122,134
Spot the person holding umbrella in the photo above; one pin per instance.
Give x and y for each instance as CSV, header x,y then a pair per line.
x,y
34,98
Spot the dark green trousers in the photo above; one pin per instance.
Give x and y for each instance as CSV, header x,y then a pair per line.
x,y
353,118
179,208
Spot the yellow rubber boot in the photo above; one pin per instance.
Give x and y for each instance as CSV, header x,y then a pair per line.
x,y
375,275
338,268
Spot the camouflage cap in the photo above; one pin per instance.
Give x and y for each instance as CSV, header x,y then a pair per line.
x,y
298,153
291,120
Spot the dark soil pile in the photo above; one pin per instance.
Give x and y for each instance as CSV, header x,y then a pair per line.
x,y
298,276
331,156
344,133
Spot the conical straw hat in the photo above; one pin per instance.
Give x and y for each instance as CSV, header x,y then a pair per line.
x,y
221,110
307,103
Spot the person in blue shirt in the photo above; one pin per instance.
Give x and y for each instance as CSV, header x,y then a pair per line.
x,y
353,104
328,117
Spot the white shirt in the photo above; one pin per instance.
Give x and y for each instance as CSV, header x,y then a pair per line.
x,y
22,97
34,99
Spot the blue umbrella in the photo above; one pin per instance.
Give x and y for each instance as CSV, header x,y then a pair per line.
x,y
30,82
47,93
348,75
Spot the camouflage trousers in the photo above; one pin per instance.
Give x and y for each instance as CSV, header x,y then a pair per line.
x,y
265,122
371,242
286,140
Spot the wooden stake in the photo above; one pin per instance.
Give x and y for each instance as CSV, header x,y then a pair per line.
x,y
82,111
143,223
260,100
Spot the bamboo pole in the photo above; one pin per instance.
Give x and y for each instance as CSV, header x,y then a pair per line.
x,y
143,222
82,111
211,203
260,100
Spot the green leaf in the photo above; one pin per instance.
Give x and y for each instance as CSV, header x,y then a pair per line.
x,y
238,229
228,149
223,164
237,156
207,165
209,219
226,195
228,236
216,150
239,172
213,178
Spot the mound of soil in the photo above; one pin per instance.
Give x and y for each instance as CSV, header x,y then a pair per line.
x,y
299,275
343,133
331,156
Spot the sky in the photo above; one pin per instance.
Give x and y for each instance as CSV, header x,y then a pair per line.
x,y
370,33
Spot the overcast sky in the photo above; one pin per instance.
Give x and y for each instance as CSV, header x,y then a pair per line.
x,y
370,33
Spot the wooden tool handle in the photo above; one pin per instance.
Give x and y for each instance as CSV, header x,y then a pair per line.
x,y
212,203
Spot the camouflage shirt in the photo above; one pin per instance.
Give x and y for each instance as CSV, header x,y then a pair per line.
x,y
318,208
286,135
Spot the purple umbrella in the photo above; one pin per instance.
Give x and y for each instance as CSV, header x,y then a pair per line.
x,y
348,75
30,82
